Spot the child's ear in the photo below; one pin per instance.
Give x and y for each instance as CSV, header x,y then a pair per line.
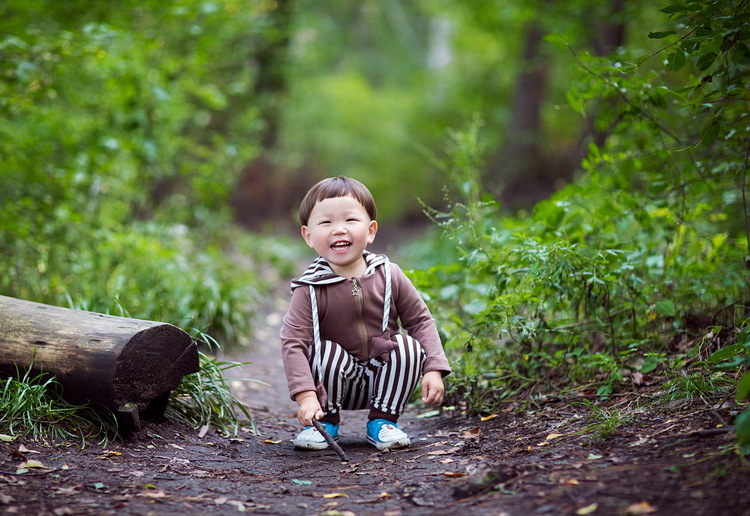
x,y
372,231
307,235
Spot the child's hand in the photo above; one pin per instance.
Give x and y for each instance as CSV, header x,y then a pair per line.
x,y
309,407
432,388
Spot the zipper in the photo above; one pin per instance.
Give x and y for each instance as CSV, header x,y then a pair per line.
x,y
359,303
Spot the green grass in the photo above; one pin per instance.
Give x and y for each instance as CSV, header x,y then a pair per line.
x,y
31,406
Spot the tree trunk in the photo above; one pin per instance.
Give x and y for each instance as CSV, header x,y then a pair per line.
x,y
129,366
258,198
519,174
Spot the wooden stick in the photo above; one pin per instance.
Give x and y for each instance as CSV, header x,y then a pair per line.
x,y
320,428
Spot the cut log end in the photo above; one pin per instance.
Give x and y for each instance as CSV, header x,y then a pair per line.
x,y
151,365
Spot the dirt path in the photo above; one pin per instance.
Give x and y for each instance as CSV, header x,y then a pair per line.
x,y
535,462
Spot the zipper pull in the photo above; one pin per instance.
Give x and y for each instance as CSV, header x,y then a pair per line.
x,y
355,287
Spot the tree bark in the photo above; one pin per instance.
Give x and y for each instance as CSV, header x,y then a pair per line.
x,y
258,197
129,366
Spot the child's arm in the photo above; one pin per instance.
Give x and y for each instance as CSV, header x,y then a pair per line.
x,y
309,407
432,388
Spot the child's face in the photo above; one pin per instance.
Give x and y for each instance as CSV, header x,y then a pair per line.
x,y
339,230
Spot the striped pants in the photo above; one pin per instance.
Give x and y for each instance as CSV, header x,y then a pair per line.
x,y
384,387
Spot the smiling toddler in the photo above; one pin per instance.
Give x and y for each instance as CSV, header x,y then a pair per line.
x,y
343,345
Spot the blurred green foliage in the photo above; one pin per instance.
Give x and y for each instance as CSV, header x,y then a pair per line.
x,y
123,129
639,267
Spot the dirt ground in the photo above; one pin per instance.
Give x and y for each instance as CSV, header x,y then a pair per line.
x,y
555,459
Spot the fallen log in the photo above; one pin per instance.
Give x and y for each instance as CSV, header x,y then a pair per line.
x,y
129,366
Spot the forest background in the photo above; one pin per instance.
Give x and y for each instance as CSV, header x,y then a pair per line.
x,y
576,172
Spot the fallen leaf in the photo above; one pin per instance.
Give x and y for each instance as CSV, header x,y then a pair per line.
x,y
221,500
154,494
454,474
488,418
569,481
6,438
474,432
33,464
447,461
24,449
588,509
176,446
68,491
554,436
301,482
594,456
269,441
336,495
447,451
640,508
639,442
431,413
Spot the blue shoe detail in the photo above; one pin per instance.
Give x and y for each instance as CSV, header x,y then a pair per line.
x,y
386,435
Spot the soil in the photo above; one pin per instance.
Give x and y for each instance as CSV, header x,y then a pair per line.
x,y
560,457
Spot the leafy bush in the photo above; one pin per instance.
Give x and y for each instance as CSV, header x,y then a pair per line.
x,y
629,268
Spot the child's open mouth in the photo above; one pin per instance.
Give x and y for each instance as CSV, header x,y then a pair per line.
x,y
341,246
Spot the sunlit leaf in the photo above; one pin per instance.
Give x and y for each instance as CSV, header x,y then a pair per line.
x,y
589,509
640,508
29,464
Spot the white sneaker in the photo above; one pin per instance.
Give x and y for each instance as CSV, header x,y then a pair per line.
x,y
311,439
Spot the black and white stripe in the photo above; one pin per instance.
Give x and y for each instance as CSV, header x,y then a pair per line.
x,y
352,384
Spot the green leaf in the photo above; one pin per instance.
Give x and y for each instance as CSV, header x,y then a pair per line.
x,y
301,482
742,427
706,60
649,364
710,132
676,8
575,102
661,35
676,60
666,308
724,353
743,388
